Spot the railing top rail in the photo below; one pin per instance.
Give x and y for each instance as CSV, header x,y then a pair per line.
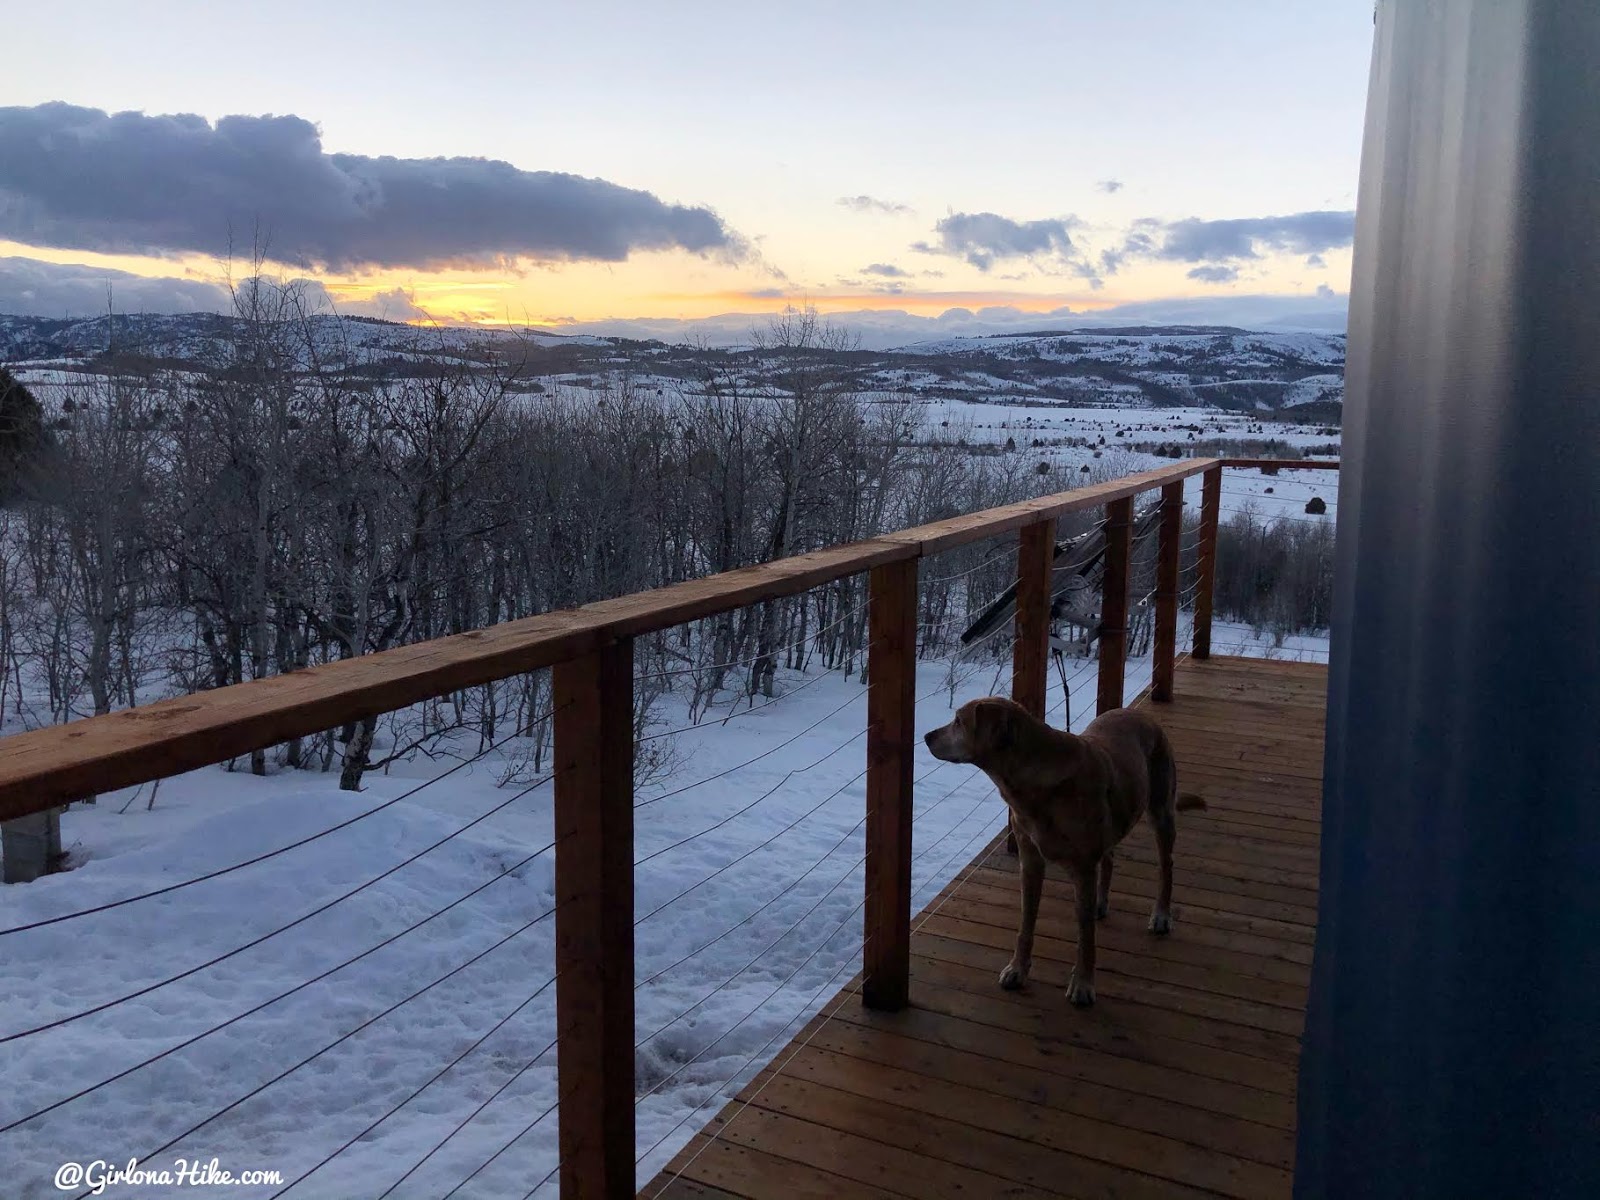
x,y
1286,464
957,531
48,767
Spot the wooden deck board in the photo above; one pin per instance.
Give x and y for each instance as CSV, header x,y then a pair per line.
x,y
1179,1082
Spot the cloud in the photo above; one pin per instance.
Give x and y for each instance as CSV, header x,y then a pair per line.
x,y
985,238
1215,274
871,204
80,178
397,304
1316,260
31,288
1111,186
1195,240
886,270
1324,292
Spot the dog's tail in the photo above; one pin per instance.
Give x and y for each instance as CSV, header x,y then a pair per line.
x,y
1188,800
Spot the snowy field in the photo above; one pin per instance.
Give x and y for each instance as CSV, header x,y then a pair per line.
x,y
1283,496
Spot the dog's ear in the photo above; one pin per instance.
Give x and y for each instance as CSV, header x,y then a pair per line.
x,y
991,726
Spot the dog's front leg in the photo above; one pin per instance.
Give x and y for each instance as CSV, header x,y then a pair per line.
x,y
1102,906
1030,868
1080,988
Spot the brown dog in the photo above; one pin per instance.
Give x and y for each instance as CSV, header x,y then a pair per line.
x,y
1072,799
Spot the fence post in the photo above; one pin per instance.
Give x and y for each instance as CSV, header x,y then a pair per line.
x,y
1210,511
593,698
1166,639
1030,653
1114,603
31,845
891,730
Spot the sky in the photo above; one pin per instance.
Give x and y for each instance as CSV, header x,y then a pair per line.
x,y
565,165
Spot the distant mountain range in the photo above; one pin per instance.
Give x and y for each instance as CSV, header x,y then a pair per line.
x,y
1139,366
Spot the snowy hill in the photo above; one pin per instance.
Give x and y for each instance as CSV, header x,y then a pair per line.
x,y
1161,366
1165,365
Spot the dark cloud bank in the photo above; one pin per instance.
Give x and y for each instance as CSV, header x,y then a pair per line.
x,y
984,239
30,287
80,178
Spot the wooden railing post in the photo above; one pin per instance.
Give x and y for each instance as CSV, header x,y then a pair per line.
x,y
31,846
1114,603
891,730
1210,512
1170,539
1030,653
593,698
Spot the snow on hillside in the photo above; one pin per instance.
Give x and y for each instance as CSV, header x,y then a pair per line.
x,y
1168,365
1147,346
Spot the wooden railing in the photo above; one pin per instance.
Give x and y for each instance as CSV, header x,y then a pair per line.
x,y
590,651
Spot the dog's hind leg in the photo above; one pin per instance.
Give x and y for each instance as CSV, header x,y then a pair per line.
x,y
1102,902
1163,816
1166,826
1030,869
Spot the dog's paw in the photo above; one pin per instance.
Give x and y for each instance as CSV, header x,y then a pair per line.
x,y
1079,995
1013,977
1160,922
1102,910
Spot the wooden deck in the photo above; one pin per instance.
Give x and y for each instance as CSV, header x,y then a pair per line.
x,y
1179,1082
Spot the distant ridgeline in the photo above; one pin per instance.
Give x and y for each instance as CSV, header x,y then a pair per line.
x,y
1297,374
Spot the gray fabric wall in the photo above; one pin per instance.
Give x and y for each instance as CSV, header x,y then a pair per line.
x,y
1453,1040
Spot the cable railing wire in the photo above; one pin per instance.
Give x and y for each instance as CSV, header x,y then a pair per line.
x,y
438,1075
826,855
843,999
472,1116
526,1130
745,1104
783,983
747,853
342,1038
855,737
755,658
270,854
849,873
723,774
300,920
300,987
735,714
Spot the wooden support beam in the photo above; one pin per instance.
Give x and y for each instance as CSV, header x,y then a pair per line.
x,y
1031,651
1210,514
1114,604
1283,464
891,730
1169,542
593,698
973,527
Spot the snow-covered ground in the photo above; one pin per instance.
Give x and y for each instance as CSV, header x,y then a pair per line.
x,y
749,886
1270,497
